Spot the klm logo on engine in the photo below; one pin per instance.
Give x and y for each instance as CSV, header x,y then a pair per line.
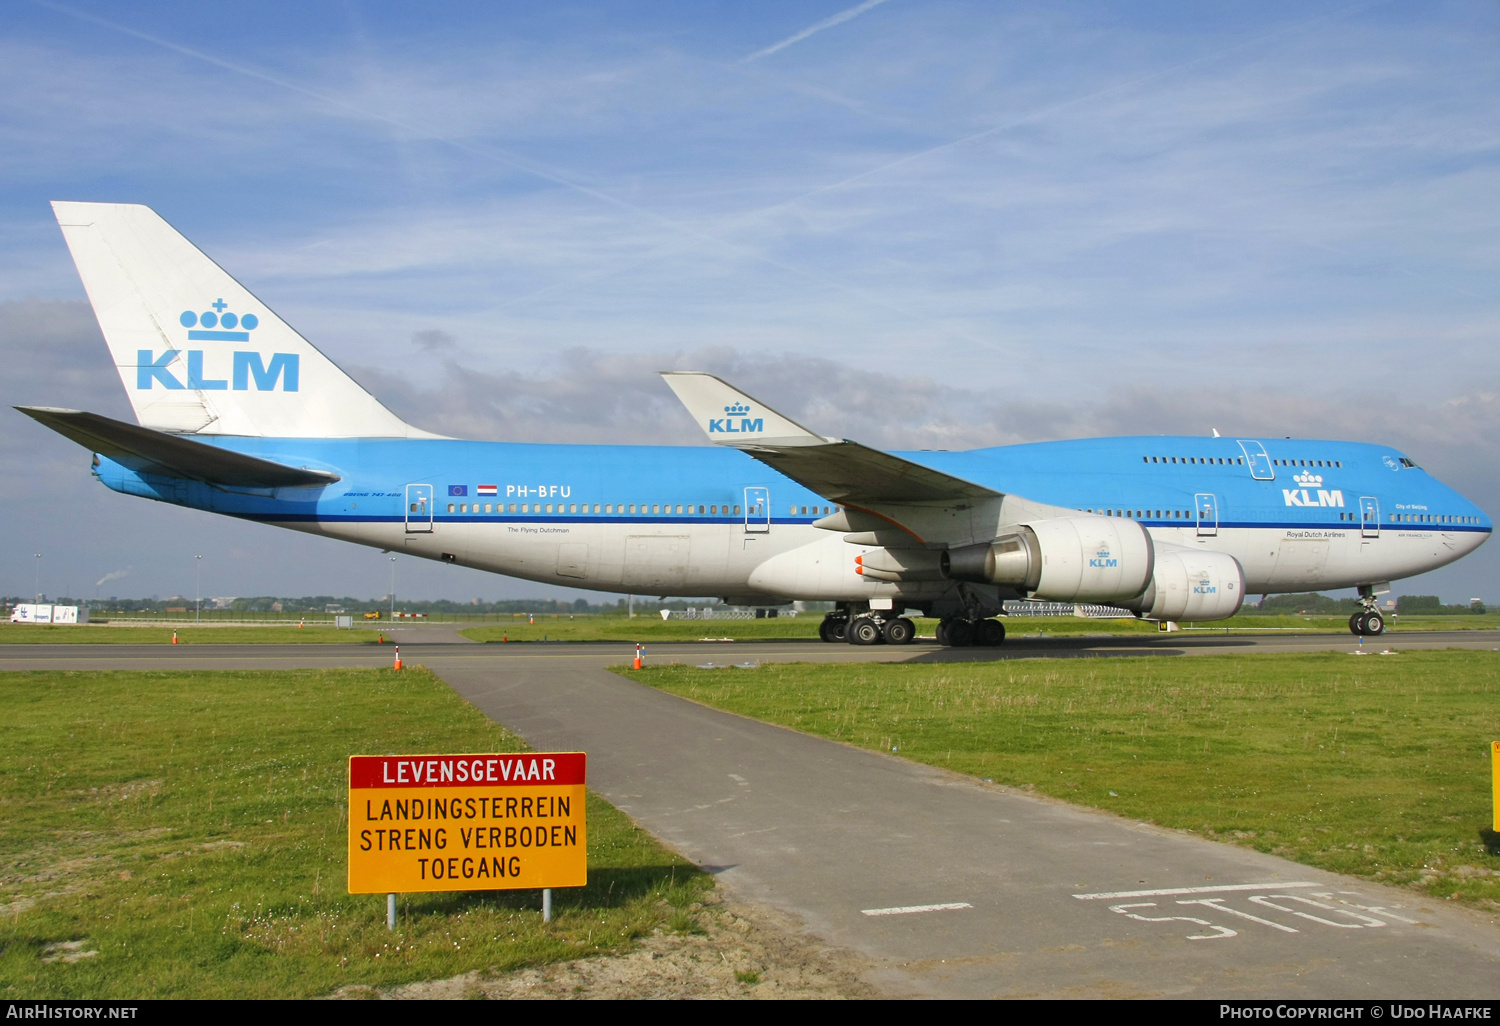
x,y
1103,560
1205,587
726,425
218,324
1312,492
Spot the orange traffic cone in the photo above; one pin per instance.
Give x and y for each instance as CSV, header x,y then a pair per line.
x,y
398,657
174,637
380,639
505,637
300,622
639,654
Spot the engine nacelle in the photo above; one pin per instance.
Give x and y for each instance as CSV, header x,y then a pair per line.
x,y
1189,584
1068,559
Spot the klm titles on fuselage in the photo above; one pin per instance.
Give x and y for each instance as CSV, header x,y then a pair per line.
x,y
1303,496
218,325
726,425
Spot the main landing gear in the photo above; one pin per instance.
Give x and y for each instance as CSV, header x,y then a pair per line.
x,y
956,632
867,629
873,628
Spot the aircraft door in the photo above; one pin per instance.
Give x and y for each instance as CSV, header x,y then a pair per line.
x,y
757,510
419,509
1208,514
1369,516
1259,463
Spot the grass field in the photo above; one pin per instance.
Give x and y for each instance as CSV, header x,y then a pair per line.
x,y
183,835
109,634
1374,766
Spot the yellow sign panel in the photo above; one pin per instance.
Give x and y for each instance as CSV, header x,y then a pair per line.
x,y
466,822
1495,755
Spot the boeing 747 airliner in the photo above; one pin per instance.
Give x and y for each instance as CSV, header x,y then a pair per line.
x,y
238,414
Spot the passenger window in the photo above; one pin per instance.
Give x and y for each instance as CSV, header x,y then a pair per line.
x,y
450,507
736,511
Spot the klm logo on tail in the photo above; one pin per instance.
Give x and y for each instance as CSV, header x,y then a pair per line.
x,y
218,325
726,425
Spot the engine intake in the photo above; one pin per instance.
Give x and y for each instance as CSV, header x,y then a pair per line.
x,y
1067,559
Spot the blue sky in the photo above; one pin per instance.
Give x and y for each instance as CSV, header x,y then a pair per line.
x,y
912,223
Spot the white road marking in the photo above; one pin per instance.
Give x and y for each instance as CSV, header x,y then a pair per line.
x,y
905,909
1261,899
1224,931
1218,903
1169,891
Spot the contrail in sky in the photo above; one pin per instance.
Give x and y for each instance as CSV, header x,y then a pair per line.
x,y
113,575
837,19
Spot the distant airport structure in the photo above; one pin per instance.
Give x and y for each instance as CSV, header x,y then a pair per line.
x,y
239,414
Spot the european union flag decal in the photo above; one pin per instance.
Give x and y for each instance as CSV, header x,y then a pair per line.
x,y
458,489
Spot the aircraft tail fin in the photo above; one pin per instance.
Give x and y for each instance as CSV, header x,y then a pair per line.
x,y
196,351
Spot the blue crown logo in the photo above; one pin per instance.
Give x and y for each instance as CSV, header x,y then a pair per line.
x,y
737,410
219,318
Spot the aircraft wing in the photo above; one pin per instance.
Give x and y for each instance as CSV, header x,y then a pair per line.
x,y
172,455
842,471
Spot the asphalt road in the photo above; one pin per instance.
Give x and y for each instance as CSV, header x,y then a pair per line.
x,y
950,886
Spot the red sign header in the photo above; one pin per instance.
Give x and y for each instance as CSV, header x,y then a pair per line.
x,y
494,770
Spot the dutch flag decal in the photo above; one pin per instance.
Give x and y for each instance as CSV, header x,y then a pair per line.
x,y
487,490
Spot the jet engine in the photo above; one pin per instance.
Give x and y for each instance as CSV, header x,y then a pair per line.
x,y
1067,559
1191,584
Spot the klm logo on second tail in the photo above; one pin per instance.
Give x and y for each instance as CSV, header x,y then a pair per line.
x,y
726,425
1103,560
1305,496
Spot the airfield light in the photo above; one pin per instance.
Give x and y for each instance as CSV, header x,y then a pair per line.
x,y
198,590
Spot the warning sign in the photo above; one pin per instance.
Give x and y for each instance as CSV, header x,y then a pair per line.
x,y
466,822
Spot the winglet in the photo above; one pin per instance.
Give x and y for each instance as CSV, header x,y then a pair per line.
x,y
730,417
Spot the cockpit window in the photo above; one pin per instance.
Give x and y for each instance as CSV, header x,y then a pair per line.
x,y
1408,464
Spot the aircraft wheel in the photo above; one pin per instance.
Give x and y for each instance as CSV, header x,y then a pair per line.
x,y
1356,623
960,633
899,631
1374,623
863,630
989,633
942,632
833,629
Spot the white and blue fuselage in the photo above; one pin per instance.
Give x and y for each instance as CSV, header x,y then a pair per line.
x,y
1307,514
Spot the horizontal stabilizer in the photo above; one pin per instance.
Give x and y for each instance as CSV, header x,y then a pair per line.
x,y
154,451
837,469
